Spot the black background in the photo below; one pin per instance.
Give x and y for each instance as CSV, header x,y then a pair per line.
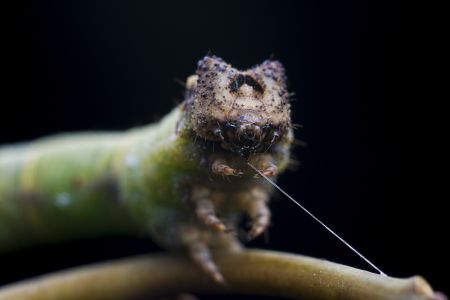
x,y
358,71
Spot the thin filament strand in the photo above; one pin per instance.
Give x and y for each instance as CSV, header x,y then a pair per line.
x,y
315,218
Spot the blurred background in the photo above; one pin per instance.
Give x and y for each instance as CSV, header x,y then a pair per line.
x,y
367,171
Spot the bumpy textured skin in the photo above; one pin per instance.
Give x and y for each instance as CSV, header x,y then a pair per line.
x,y
184,181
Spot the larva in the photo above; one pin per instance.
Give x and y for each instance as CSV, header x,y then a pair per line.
x,y
183,181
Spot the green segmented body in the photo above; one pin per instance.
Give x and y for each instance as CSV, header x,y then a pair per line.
x,y
185,181
90,184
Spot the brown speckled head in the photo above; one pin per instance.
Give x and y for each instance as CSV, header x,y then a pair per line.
x,y
246,110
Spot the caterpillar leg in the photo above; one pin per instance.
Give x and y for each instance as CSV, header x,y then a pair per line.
x,y
254,203
201,254
201,198
220,167
266,165
195,242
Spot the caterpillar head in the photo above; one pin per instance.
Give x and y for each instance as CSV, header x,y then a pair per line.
x,y
245,110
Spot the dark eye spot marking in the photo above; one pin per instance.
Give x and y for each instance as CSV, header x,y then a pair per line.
x,y
237,83
254,84
241,79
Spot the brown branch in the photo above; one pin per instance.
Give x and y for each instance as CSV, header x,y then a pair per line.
x,y
254,272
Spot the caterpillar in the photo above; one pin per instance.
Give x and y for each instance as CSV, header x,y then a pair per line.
x,y
184,181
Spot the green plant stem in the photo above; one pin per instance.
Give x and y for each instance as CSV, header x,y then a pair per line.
x,y
254,272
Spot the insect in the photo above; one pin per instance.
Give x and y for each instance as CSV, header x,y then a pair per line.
x,y
184,181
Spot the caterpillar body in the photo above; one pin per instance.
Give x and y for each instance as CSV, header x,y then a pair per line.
x,y
183,181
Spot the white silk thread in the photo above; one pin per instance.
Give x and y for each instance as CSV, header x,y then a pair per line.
x,y
317,219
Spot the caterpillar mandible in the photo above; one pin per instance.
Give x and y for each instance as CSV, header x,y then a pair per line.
x,y
183,181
